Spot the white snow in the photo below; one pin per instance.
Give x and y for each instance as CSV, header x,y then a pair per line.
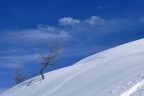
x,y
115,72
133,89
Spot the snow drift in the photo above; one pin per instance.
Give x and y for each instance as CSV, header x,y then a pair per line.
x,y
115,72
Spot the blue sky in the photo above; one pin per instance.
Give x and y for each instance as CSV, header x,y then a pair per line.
x,y
81,27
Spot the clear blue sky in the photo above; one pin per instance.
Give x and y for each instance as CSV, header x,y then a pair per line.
x,y
82,27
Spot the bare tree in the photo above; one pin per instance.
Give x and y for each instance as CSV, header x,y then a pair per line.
x,y
19,75
50,59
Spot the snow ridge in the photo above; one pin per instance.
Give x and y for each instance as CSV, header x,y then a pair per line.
x,y
115,69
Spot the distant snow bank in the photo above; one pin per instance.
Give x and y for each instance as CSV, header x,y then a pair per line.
x,y
127,49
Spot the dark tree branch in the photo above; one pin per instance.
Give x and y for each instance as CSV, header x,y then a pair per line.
x,y
49,60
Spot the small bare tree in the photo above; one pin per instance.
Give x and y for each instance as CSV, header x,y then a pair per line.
x,y
50,59
19,75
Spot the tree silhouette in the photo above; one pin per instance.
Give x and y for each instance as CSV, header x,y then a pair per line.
x,y
50,59
19,75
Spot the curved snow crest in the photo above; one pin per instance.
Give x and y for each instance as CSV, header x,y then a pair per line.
x,y
133,89
129,48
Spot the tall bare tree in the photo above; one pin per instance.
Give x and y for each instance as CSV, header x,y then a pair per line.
x,y
50,59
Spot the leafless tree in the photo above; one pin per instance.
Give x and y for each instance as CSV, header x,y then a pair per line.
x,y
19,75
50,59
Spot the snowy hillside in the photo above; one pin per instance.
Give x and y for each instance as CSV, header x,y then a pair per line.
x,y
118,71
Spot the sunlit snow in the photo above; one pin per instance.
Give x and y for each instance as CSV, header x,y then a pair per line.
x,y
115,72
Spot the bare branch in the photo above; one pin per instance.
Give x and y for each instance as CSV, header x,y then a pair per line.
x,y
19,75
50,59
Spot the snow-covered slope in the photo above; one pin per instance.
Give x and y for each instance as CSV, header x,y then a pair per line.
x,y
114,72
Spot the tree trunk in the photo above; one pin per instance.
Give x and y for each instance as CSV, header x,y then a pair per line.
x,y
41,71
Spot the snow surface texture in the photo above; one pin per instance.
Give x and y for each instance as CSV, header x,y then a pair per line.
x,y
114,72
